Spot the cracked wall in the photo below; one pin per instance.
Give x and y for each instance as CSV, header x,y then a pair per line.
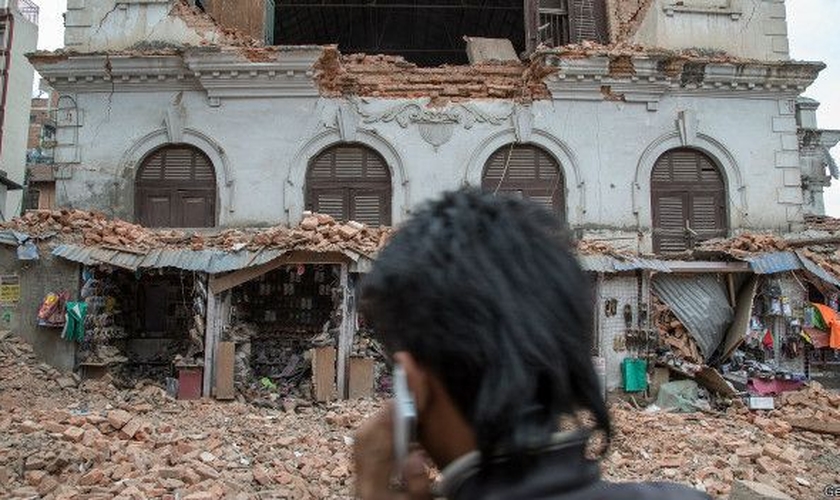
x,y
750,29
109,25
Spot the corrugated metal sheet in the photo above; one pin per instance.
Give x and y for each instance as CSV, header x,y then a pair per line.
x,y
700,302
596,263
813,268
208,261
12,238
610,265
774,262
639,263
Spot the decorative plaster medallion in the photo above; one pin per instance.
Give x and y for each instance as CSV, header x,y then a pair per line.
x,y
436,126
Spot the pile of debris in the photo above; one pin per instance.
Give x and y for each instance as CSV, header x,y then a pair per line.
x,y
711,451
822,223
746,244
674,334
91,440
317,232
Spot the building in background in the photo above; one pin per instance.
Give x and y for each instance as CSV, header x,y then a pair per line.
x,y
650,126
18,37
40,154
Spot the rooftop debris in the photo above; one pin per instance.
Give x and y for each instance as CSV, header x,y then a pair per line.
x,y
203,23
394,77
317,233
66,437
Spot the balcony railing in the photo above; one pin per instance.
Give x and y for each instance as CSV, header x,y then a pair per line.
x,y
29,10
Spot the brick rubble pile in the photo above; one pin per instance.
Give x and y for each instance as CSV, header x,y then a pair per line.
x,y
675,335
65,439
90,440
317,232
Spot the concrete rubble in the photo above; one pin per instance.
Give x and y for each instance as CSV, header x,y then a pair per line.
x,y
317,232
91,440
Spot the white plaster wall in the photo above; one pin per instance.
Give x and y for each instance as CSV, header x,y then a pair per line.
x,y
261,148
18,105
755,29
99,25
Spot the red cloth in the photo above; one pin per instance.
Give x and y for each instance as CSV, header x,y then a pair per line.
x,y
832,322
767,340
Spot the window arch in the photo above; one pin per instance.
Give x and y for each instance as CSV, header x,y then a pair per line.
x,y
350,182
528,171
176,187
688,195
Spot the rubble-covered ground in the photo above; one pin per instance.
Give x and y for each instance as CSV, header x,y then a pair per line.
x,y
61,439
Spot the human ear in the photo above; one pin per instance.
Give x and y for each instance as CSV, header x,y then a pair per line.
x,y
418,380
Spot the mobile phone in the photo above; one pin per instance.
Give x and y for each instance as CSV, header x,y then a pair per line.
x,y
405,420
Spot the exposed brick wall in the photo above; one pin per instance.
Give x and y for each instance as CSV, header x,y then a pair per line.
x,y
36,280
393,77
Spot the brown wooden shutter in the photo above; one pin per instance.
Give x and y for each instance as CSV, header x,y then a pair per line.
x,y
176,187
688,197
528,171
350,182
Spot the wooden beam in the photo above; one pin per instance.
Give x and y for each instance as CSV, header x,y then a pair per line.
x,y
323,373
222,283
532,24
828,240
224,371
345,332
812,425
212,321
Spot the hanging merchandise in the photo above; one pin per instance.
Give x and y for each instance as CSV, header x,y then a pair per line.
x,y
768,339
831,320
74,327
786,309
51,312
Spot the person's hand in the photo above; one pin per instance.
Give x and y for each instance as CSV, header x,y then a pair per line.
x,y
373,453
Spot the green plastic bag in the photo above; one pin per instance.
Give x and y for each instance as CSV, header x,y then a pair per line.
x,y
634,372
74,327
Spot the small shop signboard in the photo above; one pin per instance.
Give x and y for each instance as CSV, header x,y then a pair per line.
x,y
9,289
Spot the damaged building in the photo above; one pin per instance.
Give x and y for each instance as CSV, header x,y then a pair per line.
x,y
654,128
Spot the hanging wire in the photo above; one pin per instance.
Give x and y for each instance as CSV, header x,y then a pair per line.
x,y
505,170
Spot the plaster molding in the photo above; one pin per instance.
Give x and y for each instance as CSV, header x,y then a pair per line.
x,y
575,195
143,146
436,125
295,185
650,76
230,74
687,125
725,160
175,118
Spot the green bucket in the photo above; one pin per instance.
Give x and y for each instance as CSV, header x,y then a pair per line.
x,y
634,372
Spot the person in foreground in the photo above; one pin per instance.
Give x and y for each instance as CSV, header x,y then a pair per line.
x,y
482,303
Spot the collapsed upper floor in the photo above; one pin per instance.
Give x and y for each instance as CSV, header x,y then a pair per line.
x,y
432,32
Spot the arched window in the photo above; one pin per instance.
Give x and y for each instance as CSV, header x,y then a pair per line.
x,y
528,171
176,187
350,182
688,195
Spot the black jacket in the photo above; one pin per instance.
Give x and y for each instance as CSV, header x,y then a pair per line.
x,y
559,471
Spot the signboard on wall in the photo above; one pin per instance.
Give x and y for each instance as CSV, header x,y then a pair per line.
x,y
9,289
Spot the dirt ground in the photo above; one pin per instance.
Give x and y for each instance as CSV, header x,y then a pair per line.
x,y
60,439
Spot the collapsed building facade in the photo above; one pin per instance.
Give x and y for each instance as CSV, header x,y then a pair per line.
x,y
648,126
